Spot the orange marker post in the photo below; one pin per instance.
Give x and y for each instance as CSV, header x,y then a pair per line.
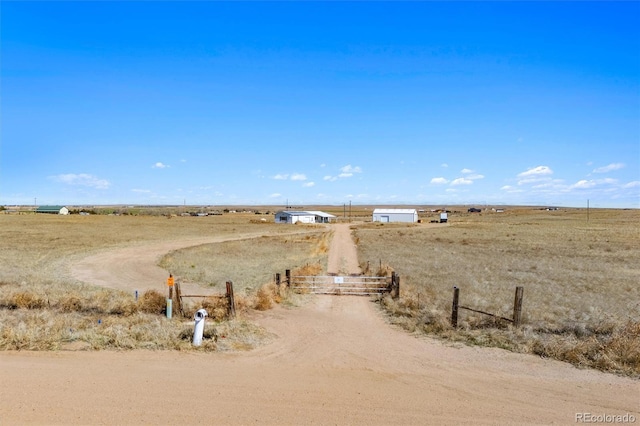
x,y
170,283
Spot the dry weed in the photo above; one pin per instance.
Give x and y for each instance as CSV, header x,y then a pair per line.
x,y
152,302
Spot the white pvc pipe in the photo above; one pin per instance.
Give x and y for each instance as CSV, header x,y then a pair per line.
x,y
169,308
199,327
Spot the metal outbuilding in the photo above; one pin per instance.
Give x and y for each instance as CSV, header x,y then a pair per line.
x,y
395,215
52,209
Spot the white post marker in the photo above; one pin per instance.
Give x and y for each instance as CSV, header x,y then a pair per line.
x,y
169,308
199,326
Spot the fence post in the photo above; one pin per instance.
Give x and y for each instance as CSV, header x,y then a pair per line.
x,y
232,300
454,308
517,307
179,298
278,279
287,274
396,291
393,284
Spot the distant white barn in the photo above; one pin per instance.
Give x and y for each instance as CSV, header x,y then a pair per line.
x,y
395,215
303,217
53,210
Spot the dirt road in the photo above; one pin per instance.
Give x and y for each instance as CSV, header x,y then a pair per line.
x,y
135,267
332,361
343,255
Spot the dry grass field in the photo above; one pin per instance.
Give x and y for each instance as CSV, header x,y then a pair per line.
x,y
43,308
581,281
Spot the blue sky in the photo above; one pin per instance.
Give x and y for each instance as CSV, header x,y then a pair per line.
x,y
419,103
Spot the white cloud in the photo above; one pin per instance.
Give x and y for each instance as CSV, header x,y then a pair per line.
x,y
275,195
346,172
298,176
141,191
349,170
439,181
633,184
535,175
475,176
160,165
536,171
444,165
583,184
461,181
611,167
309,184
466,171
82,179
608,181
281,177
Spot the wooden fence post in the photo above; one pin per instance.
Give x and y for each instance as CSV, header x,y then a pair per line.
x,y
179,298
232,300
517,307
454,308
278,279
392,290
287,274
396,291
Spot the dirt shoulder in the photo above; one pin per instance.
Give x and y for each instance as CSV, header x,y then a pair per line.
x,y
333,360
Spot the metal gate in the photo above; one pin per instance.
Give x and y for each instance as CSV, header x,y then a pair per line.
x,y
341,285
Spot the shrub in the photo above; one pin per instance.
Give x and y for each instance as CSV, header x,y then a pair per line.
x,y
25,300
152,302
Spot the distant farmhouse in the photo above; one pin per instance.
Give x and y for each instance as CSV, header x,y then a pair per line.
x,y
52,210
395,215
303,217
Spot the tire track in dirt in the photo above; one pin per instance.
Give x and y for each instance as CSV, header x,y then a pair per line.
x,y
343,255
135,267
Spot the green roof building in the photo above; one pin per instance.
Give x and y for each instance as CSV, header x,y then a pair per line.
x,y
52,209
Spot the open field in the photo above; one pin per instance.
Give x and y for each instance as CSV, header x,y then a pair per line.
x,y
42,306
581,280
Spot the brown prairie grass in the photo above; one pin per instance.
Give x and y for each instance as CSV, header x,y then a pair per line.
x,y
43,308
581,292
247,263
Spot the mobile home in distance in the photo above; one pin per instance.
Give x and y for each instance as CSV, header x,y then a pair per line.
x,y
303,217
395,215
